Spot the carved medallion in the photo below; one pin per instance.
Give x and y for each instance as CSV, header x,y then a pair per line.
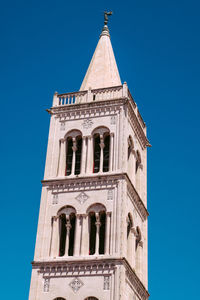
x,y
82,197
87,123
76,284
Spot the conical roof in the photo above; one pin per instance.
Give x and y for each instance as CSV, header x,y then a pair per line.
x,y
102,71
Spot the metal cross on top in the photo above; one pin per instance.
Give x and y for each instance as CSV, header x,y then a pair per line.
x,y
106,14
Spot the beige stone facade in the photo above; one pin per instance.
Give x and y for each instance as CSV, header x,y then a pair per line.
x,y
92,230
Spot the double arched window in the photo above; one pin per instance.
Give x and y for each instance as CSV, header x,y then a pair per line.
x,y
67,221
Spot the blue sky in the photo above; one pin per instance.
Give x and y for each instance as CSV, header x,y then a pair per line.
x,y
46,46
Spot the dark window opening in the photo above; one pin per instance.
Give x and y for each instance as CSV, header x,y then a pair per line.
x,y
106,151
69,157
94,96
72,234
128,227
62,235
78,156
97,153
102,233
138,237
92,233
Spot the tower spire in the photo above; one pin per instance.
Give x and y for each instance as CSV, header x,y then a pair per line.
x,y
102,71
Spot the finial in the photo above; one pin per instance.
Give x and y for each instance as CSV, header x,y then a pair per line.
x,y
105,30
106,14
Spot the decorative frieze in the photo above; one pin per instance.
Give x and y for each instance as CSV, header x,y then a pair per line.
x,y
76,284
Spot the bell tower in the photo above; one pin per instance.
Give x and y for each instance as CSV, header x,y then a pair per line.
x,y
92,231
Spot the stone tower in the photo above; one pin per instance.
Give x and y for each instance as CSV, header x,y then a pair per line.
x,y
92,231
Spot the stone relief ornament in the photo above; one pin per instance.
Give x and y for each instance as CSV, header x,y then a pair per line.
x,y
46,284
113,120
55,199
87,123
62,126
82,197
106,283
76,284
110,195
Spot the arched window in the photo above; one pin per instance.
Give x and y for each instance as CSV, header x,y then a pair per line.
x,y
67,221
97,225
101,156
59,298
91,298
73,153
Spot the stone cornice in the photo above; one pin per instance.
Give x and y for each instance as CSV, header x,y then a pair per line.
x,y
86,107
137,124
98,182
101,266
99,108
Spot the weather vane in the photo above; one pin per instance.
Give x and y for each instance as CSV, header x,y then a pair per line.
x,y
106,14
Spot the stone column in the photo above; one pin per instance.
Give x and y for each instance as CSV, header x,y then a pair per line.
x,y
133,244
111,152
74,148
55,237
83,155
89,155
62,158
102,145
68,227
85,236
108,219
77,235
98,224
139,259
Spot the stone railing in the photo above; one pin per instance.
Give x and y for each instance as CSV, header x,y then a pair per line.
x,y
115,92
103,94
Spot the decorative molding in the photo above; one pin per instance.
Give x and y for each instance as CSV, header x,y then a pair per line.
x,y
106,283
82,197
46,285
76,284
87,123
101,267
97,182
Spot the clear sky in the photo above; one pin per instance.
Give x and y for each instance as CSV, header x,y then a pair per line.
x,y
46,46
